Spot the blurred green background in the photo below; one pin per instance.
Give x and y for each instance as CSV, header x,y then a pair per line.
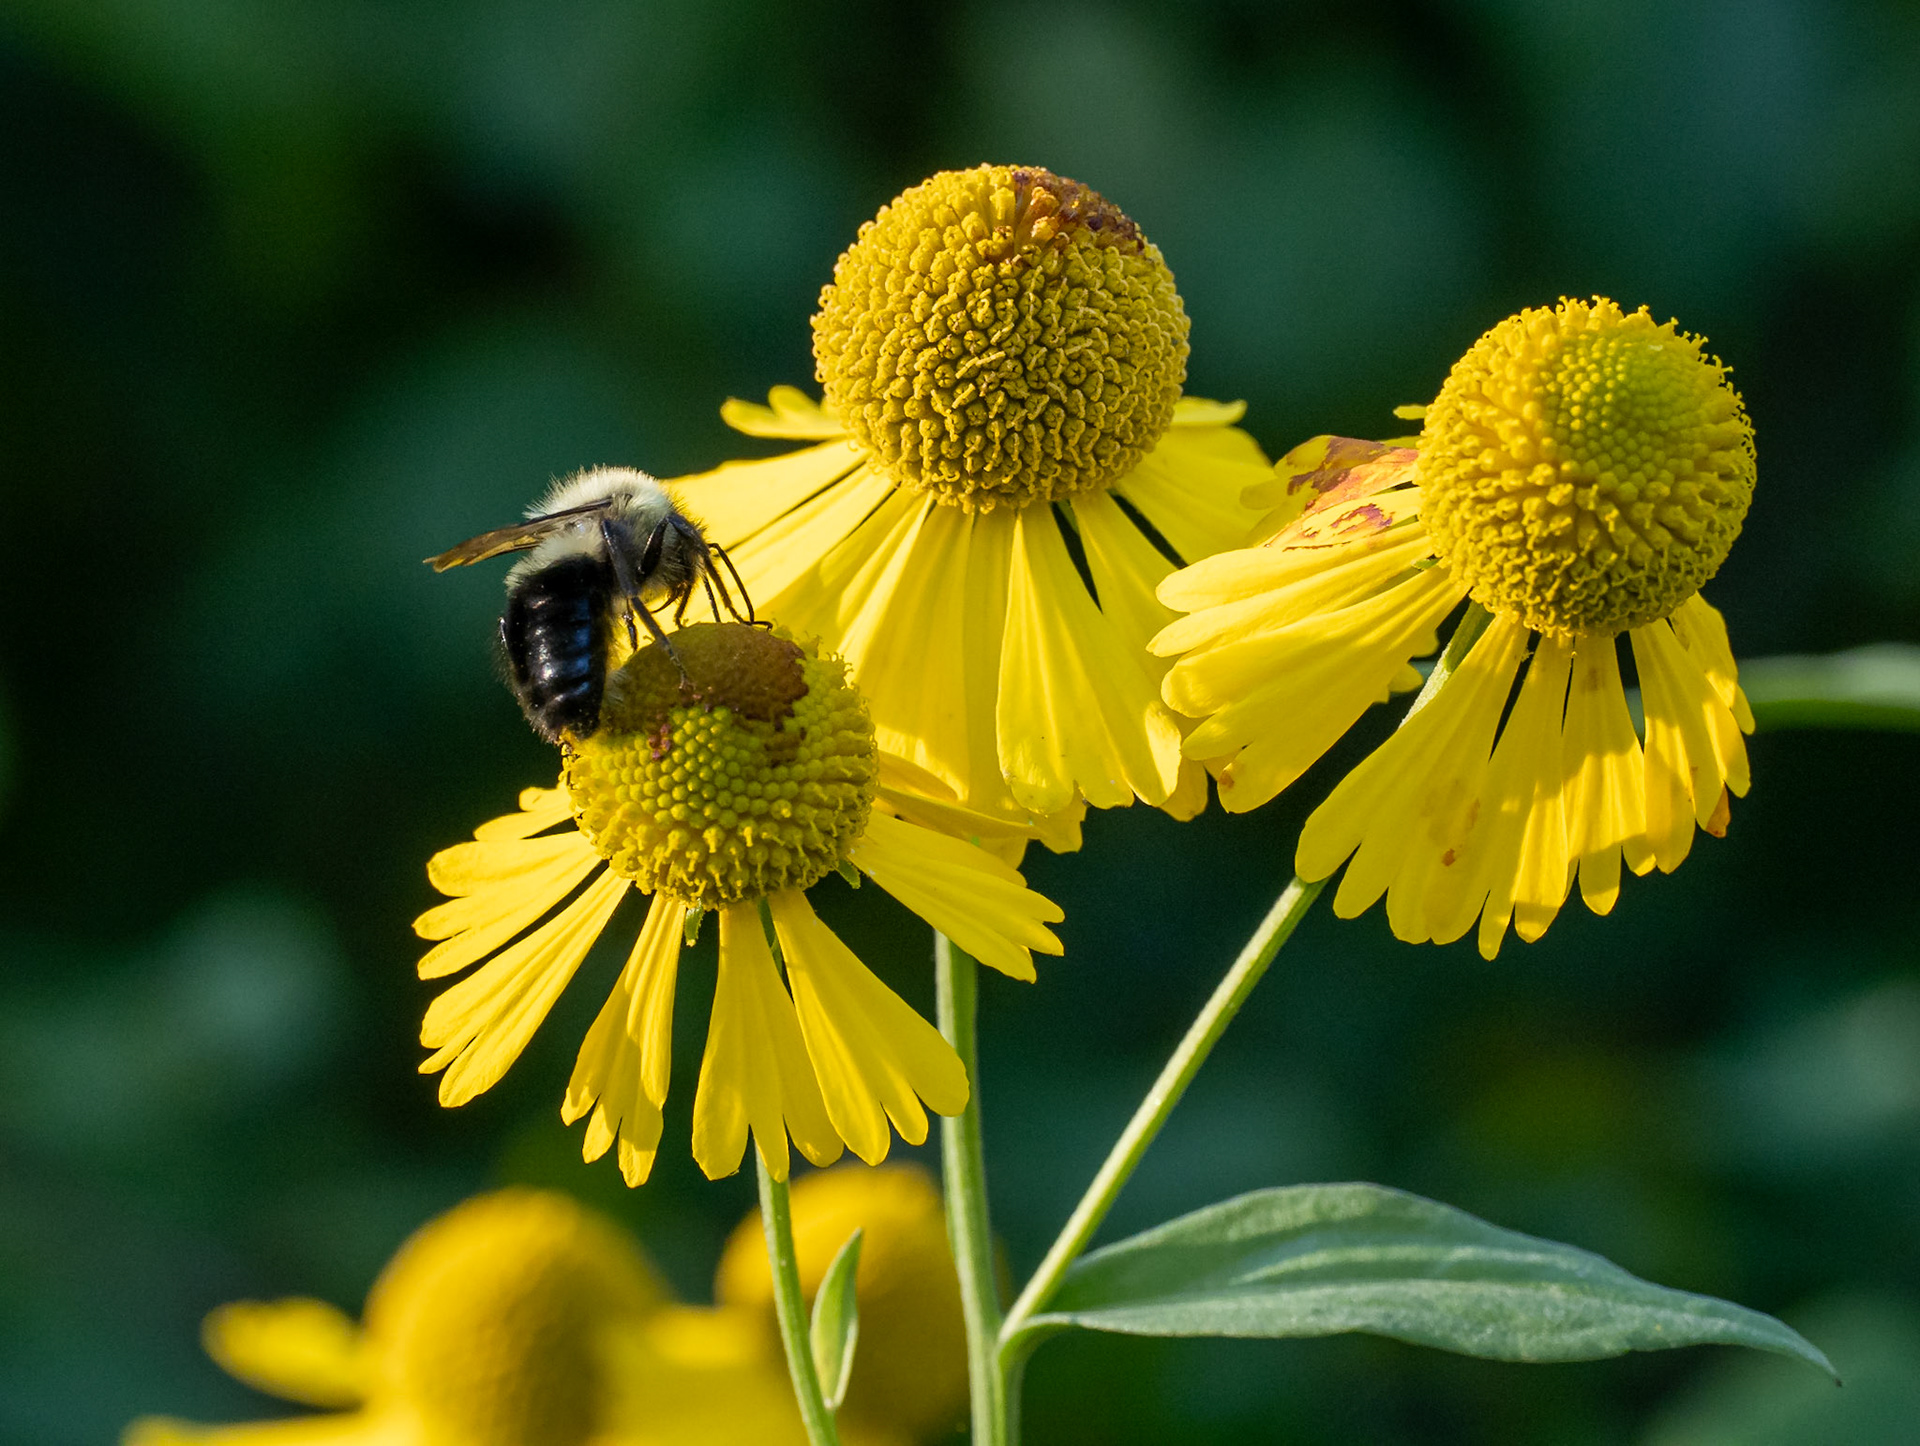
x,y
294,292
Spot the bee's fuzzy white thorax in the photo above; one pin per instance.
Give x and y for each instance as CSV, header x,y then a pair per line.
x,y
632,492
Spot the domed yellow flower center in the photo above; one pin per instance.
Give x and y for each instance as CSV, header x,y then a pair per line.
x,y
487,1323
1002,336
752,773
1584,469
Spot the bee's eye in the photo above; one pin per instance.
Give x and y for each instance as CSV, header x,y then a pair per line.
x,y
650,556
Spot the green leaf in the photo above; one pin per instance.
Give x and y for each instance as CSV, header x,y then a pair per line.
x,y
1314,1260
836,1323
1877,686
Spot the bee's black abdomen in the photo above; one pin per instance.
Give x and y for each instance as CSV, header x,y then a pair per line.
x,y
554,633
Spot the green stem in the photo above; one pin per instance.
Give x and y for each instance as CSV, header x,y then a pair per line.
x,y
956,980
777,1220
1175,1076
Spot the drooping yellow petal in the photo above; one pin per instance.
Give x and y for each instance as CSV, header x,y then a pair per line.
x,y
545,871
781,553
478,1027
1703,633
296,1349
754,1074
625,1062
1127,569
875,1058
789,412
1526,867
1606,786
737,499
1077,708
1408,812
1293,693
920,628
1214,417
1189,488
977,901
698,1374
1694,747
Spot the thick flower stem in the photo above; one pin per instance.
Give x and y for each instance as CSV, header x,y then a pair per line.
x,y
963,1166
1175,1076
777,1220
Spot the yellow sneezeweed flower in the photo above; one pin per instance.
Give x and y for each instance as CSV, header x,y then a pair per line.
x,y
1581,474
516,1319
1001,351
909,1378
732,789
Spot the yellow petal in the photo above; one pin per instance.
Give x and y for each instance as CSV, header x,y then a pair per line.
x,y
480,1025
789,412
781,554
1525,865
474,926
1408,812
754,1074
540,808
1703,633
1325,479
1199,412
1287,697
920,627
1077,708
1605,774
1694,747
736,499
387,1427
974,899
299,1350
875,1058
625,1063
1189,488
999,825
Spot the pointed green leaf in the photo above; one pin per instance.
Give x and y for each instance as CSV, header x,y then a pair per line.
x,y
1877,686
836,1323
1313,1260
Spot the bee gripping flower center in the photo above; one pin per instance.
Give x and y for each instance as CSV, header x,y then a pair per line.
x,y
1584,469
752,773
1001,336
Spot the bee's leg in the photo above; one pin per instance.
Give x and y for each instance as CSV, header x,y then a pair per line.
x,y
721,553
660,637
713,603
627,585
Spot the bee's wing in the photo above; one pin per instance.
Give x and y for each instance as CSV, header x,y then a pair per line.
x,y
517,537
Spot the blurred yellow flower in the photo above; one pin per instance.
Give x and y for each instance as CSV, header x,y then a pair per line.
x,y
1002,351
516,1319
910,1368
1581,474
521,1319
733,788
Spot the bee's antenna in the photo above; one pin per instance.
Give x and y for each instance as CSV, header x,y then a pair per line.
x,y
720,552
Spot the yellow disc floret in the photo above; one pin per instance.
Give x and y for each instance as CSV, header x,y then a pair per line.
x,y
1001,336
750,773
488,1322
1584,469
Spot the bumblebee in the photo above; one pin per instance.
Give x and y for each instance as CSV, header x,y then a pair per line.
x,y
611,540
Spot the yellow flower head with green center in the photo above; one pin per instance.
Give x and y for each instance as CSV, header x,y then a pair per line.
x,y
1585,470
516,1319
1579,476
1002,353
730,787
753,780
1002,336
